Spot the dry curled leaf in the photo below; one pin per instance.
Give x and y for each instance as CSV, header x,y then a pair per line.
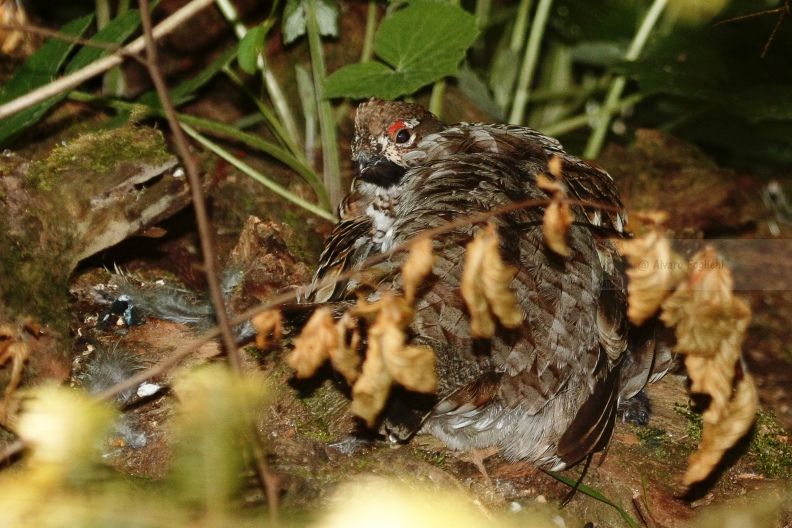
x,y
710,324
385,337
654,269
548,184
558,215
417,266
345,358
485,285
717,438
14,40
388,360
314,345
373,387
267,323
14,349
557,219
413,367
704,310
555,166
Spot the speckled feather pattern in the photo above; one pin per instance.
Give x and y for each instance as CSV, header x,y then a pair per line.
x,y
547,391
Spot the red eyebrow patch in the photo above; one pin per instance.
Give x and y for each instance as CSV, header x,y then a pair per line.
x,y
395,127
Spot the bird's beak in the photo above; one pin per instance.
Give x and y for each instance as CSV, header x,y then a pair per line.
x,y
378,170
364,162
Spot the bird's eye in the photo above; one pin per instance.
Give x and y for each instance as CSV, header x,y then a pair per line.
x,y
402,136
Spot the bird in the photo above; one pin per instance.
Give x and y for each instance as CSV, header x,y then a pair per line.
x,y
548,390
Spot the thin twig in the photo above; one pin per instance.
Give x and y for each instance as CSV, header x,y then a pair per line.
x,y
207,244
196,190
37,30
102,65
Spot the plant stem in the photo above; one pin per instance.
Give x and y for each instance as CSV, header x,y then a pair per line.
x,y
436,100
266,182
483,9
331,163
102,13
371,29
597,138
270,81
529,61
272,120
205,231
520,26
572,123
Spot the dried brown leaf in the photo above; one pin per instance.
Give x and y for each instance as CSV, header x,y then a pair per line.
x,y
385,336
548,184
557,219
704,310
314,345
481,322
345,358
413,367
417,267
267,323
388,360
558,215
720,436
373,387
654,269
17,352
555,166
710,324
496,277
485,285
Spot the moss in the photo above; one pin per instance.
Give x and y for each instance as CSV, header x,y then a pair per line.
x,y
34,284
316,429
650,435
436,459
771,446
695,422
97,153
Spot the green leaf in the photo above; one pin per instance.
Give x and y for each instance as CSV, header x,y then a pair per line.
x,y
38,70
249,49
591,492
114,34
294,21
422,43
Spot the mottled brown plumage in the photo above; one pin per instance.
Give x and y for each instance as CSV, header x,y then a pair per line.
x,y
547,391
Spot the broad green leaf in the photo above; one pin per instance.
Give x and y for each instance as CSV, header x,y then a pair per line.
x,y
366,79
250,48
294,21
114,34
422,43
38,70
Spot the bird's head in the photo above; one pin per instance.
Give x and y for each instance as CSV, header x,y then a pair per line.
x,y
384,132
